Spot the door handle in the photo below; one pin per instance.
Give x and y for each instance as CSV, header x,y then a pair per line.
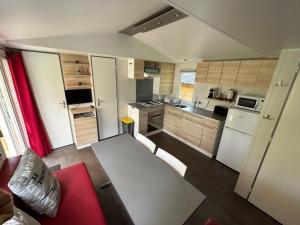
x,y
268,117
281,83
63,103
99,102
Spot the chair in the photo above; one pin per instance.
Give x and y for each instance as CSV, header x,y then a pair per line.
x,y
147,142
172,161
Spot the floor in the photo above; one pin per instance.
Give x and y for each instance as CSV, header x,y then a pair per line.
x,y
212,178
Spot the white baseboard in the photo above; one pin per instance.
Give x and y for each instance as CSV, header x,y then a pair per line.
x,y
189,144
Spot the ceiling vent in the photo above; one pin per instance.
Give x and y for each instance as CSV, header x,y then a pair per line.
x,y
161,18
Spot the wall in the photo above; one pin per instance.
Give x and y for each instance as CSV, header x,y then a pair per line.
x,y
111,45
126,88
201,90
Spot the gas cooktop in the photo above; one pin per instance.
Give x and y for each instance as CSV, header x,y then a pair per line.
x,y
149,103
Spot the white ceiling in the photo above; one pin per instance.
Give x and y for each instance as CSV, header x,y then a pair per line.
x,y
31,18
265,25
191,39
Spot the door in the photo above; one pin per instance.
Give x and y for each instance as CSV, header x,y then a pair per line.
x,y
44,73
242,120
233,153
105,86
277,187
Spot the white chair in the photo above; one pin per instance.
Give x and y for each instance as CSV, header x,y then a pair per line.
x,y
172,161
147,142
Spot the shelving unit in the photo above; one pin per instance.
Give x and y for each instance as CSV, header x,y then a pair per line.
x,y
76,71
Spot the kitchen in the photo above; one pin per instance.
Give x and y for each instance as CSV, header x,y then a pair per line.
x,y
224,104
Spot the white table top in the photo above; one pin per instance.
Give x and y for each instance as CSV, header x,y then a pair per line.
x,y
152,192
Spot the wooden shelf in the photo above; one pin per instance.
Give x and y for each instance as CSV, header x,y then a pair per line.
x,y
78,87
82,110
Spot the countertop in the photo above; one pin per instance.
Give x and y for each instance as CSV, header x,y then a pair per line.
x,y
190,109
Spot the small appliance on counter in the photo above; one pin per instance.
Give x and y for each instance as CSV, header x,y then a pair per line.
x,y
252,103
221,110
231,94
213,92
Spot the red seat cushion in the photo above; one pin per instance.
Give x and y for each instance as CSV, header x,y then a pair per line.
x,y
7,170
79,203
210,221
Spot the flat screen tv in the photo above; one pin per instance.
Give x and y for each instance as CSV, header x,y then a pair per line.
x,y
78,96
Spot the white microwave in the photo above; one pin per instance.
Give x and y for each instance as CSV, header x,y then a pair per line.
x,y
249,102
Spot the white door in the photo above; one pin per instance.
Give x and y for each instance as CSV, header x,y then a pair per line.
x,y
233,149
44,73
277,187
105,86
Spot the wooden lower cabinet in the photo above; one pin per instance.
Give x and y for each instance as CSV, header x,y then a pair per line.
x,y
191,131
208,139
173,123
201,132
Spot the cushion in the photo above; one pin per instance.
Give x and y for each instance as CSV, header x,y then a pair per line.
x,y
34,184
6,206
21,218
79,203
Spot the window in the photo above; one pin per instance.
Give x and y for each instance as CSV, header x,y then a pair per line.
x,y
187,85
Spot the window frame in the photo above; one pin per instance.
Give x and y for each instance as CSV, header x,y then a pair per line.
x,y
179,92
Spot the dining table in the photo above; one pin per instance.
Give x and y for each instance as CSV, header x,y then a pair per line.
x,y
152,192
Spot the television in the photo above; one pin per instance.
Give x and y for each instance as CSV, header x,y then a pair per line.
x,y
78,96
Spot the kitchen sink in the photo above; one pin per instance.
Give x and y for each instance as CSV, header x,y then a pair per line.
x,y
180,106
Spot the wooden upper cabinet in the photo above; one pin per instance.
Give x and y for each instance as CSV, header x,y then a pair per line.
x,y
214,72
78,59
167,73
248,73
201,72
136,69
266,73
230,72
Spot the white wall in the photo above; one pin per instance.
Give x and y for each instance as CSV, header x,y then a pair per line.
x,y
202,90
112,45
125,88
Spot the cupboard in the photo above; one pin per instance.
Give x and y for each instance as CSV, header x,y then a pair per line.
x,y
200,132
240,73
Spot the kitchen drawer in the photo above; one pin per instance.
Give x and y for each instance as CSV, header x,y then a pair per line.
x,y
211,123
191,131
194,118
173,110
208,139
75,69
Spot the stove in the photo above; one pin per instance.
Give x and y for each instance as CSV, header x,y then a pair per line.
x,y
149,103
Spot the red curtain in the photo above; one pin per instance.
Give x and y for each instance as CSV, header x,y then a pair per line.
x,y
38,138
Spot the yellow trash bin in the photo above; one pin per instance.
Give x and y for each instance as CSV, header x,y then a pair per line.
x,y
127,124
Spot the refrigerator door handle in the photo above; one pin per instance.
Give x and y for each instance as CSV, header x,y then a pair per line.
x,y
238,131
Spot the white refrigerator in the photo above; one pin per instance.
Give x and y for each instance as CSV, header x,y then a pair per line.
x,y
235,142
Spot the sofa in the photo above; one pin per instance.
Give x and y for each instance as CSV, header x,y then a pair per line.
x,y
79,203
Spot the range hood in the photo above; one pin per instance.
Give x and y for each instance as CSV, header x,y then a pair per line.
x,y
150,75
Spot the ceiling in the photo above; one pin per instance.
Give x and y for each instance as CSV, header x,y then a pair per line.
x,y
264,25
190,39
32,19
215,29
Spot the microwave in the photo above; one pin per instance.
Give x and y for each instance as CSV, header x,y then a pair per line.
x,y
249,102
